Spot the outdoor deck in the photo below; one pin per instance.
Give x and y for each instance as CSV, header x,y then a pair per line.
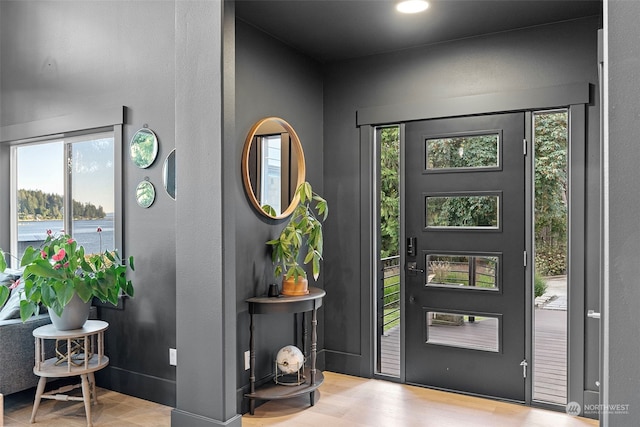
x,y
550,361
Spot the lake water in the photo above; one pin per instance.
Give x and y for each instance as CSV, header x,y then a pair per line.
x,y
84,231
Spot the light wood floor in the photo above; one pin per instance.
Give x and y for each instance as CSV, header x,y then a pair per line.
x,y
357,402
344,401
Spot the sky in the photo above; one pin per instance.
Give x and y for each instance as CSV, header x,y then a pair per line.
x,y
41,167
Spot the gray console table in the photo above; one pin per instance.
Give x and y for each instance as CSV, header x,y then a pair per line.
x,y
313,377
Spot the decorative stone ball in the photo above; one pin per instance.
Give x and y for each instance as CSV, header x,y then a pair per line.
x,y
289,359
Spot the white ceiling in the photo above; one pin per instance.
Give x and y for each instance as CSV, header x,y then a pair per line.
x,y
331,30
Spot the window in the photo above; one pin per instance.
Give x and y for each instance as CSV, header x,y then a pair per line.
x,y
65,185
271,172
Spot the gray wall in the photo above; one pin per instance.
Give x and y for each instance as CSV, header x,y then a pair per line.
x,y
526,59
65,58
271,80
620,320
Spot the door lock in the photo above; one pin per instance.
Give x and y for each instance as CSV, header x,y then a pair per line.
x,y
411,266
411,246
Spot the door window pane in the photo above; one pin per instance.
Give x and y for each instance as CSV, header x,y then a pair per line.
x,y
477,151
463,271
479,332
462,211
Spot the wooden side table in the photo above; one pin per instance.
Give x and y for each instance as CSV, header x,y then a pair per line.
x,y
78,352
313,377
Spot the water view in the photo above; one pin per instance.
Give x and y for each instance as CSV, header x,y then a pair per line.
x,y
84,231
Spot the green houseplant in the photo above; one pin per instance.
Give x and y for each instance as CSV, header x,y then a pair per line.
x,y
60,269
303,229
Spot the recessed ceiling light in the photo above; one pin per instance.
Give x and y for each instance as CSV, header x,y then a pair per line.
x,y
412,6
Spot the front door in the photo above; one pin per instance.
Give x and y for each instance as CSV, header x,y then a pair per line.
x,y
465,242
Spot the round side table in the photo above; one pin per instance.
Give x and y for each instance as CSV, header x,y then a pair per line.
x,y
79,352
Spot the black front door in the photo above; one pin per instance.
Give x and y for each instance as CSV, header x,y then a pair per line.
x,y
465,273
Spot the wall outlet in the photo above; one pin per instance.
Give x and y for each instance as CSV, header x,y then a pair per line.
x,y
173,357
246,360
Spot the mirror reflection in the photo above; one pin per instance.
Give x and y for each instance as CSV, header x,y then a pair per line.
x,y
145,194
143,148
169,174
273,167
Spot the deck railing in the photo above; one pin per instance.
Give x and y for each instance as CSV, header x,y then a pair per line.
x,y
390,292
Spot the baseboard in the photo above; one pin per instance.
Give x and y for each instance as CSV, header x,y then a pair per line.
x,y
181,418
343,363
146,387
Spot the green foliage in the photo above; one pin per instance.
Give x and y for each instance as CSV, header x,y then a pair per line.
x,y
34,204
60,268
303,229
389,191
463,152
551,192
540,286
464,211
551,260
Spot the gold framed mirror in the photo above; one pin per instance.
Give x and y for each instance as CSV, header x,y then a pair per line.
x,y
273,167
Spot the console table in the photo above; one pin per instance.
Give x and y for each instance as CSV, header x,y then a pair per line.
x,y
78,352
285,304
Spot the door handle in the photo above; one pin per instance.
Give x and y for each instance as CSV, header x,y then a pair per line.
x,y
593,314
411,266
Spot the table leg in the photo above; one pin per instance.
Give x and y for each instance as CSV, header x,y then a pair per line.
x,y
92,384
86,395
252,365
36,403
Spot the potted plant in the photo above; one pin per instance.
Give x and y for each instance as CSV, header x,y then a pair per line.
x,y
303,229
60,275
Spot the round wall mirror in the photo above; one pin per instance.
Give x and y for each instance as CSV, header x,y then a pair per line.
x,y
272,167
169,174
145,194
143,148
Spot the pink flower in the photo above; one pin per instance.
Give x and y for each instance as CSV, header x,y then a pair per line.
x,y
70,241
59,256
14,284
56,267
43,254
49,232
66,265
99,230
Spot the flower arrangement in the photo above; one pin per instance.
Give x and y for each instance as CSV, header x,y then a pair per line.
x,y
60,268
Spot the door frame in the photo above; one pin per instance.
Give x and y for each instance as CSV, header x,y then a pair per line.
x,y
572,96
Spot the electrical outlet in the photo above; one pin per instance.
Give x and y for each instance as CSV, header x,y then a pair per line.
x,y
173,357
246,360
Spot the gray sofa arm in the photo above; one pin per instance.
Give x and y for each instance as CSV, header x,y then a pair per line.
x,y
17,353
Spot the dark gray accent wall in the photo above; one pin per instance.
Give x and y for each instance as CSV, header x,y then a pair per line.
x,y
620,312
271,80
205,241
60,59
552,55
